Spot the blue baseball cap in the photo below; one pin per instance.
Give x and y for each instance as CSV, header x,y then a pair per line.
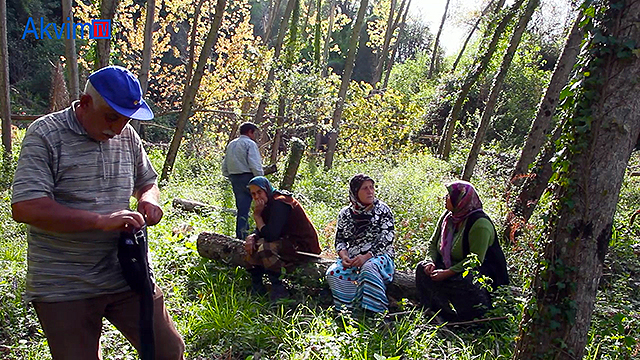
x,y
121,90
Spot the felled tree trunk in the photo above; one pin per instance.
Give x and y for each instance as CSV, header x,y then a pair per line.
x,y
199,207
230,251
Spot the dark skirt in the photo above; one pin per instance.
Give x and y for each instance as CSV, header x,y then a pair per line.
x,y
457,298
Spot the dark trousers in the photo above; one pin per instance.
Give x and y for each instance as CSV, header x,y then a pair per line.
x,y
457,298
239,184
73,328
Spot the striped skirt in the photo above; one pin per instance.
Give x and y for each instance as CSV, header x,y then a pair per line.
x,y
363,287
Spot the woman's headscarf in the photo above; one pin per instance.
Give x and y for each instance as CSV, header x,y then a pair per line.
x,y
264,184
465,201
361,213
354,186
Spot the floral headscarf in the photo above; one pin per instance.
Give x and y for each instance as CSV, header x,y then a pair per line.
x,y
465,201
361,213
354,186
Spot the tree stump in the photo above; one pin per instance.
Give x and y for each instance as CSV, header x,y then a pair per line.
x,y
230,251
295,155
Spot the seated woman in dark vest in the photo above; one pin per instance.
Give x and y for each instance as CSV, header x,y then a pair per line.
x,y
463,232
282,229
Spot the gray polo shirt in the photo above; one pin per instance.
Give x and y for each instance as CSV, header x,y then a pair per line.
x,y
60,161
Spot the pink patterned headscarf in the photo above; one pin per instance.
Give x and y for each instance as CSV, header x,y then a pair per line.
x,y
465,201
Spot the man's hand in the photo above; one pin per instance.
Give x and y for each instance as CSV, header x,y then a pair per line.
x,y
120,221
148,198
151,211
250,243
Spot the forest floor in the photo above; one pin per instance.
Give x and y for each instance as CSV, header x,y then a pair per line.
x,y
219,319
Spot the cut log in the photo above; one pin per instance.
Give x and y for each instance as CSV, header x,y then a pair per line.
x,y
199,207
230,251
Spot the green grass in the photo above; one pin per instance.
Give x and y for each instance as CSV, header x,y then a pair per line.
x,y
212,308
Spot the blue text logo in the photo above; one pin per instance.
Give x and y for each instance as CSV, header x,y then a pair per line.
x,y
97,29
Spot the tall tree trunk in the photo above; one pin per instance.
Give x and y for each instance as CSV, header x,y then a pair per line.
x,y
275,144
191,90
530,187
192,42
444,147
534,184
70,53
327,43
344,84
264,100
546,109
384,53
303,28
103,46
284,91
434,53
389,65
473,30
143,75
273,13
317,35
5,99
498,81
597,144
148,46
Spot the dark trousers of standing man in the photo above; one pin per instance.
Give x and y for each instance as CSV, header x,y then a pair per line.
x,y
73,328
239,184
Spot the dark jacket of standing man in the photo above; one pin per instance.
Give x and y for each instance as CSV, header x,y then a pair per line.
x,y
241,163
77,171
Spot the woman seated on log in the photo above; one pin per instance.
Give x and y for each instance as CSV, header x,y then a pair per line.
x,y
463,233
282,229
364,243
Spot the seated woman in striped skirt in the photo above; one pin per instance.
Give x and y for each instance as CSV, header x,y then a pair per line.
x,y
364,243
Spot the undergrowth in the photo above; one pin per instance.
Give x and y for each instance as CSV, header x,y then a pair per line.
x,y
219,319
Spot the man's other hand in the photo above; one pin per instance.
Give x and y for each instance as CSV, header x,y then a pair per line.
x,y
151,211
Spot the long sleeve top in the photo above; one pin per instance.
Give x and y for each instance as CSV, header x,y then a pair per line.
x,y
378,238
284,217
481,236
242,156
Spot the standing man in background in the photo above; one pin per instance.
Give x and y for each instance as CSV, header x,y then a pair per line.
x,y
77,171
241,163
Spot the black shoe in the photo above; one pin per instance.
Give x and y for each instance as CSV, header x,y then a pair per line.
x,y
278,291
257,287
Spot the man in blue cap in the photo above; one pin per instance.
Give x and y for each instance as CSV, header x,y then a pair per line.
x,y
77,171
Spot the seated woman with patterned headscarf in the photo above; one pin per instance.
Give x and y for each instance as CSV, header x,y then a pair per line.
x,y
282,229
364,243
